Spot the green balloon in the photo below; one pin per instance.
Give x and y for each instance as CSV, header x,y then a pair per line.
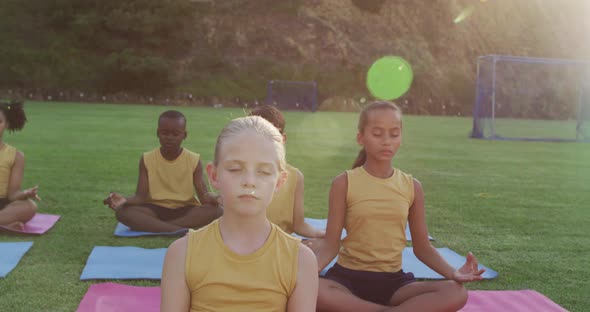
x,y
389,78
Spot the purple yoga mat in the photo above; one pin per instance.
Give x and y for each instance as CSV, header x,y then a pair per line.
x,y
509,300
113,297
40,224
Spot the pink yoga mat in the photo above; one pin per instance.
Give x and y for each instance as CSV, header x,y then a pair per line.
x,y
113,297
40,224
509,300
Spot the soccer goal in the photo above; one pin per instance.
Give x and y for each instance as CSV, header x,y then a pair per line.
x,y
292,95
531,99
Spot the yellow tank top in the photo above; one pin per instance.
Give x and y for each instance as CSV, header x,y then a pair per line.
x,y
280,210
220,280
171,182
376,216
7,157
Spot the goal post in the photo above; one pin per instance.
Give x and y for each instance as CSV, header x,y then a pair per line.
x,y
531,99
292,95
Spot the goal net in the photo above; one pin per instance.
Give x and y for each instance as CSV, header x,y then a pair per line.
x,y
534,99
292,95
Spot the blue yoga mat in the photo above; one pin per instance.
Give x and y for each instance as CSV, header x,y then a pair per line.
x,y
10,255
322,224
124,231
106,262
411,264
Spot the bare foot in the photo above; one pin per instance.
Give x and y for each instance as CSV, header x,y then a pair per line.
x,y
15,226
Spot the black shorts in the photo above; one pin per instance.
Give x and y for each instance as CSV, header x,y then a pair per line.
x,y
4,202
376,287
167,214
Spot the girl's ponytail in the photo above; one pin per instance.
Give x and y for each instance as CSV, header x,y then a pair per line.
x,y
360,159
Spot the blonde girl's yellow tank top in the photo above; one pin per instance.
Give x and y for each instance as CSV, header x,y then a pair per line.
x,y
222,281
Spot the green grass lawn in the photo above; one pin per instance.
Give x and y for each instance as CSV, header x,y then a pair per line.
x,y
520,207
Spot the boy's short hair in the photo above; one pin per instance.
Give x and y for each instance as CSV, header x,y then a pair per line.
x,y
271,114
171,114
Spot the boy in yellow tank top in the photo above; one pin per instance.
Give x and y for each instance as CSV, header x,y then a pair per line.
x,y
374,202
168,178
242,261
286,209
16,207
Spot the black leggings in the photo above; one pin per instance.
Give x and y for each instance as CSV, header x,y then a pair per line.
x,y
376,287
